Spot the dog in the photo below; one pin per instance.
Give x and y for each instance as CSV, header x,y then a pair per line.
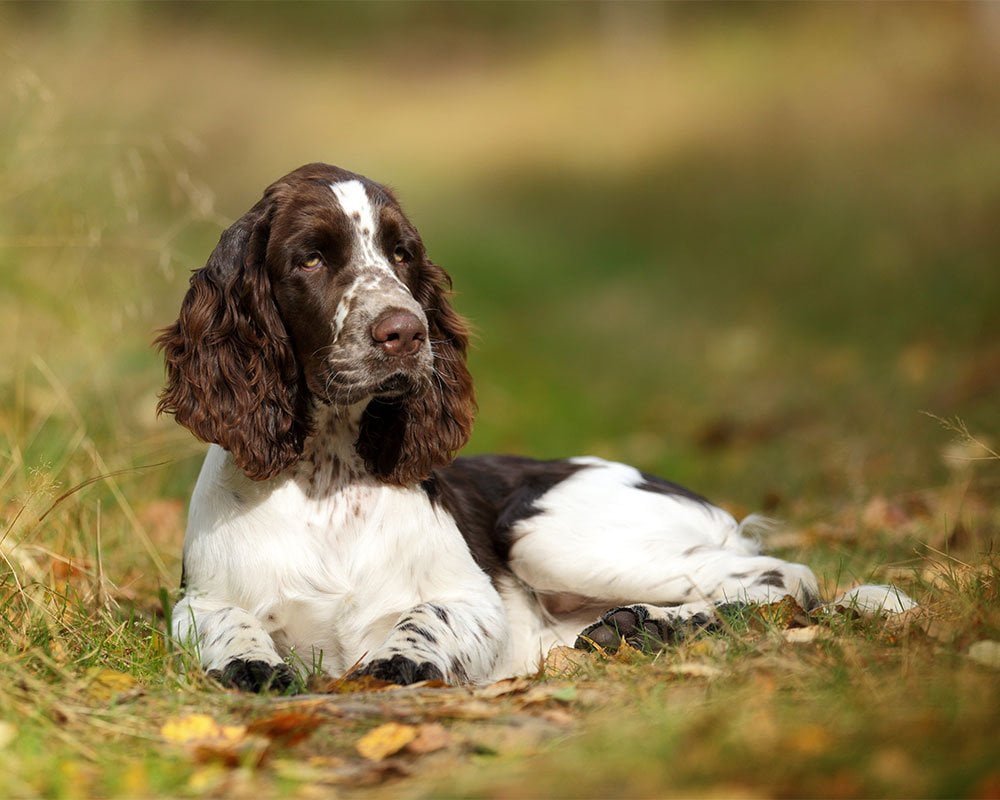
x,y
332,527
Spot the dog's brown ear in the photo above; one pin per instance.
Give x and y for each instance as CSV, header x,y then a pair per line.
x,y
402,440
232,377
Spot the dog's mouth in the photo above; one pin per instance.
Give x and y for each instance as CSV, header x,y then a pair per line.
x,y
402,382
399,384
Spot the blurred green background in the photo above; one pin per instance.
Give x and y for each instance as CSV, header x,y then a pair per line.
x,y
744,246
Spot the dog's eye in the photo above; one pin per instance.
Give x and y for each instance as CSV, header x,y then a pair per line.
x,y
401,254
314,261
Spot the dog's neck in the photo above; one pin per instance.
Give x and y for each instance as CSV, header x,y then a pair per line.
x,y
330,458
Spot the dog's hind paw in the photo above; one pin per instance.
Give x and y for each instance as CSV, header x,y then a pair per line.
x,y
640,629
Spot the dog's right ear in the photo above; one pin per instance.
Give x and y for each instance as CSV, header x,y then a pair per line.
x,y
232,376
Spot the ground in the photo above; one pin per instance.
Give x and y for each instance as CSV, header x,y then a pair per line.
x,y
753,251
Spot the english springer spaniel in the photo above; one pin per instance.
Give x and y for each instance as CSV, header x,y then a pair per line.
x,y
330,527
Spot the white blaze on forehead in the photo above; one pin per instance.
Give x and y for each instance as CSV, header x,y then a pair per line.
x,y
354,201
371,264
360,212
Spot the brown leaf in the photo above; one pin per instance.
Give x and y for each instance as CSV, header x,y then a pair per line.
x,y
67,569
247,752
504,687
469,709
385,740
288,727
558,716
786,613
564,662
626,654
547,693
353,685
431,736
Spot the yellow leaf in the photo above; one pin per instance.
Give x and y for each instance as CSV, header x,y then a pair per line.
x,y
695,669
8,733
385,740
200,728
105,684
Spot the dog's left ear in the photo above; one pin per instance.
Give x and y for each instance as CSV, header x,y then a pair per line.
x,y
402,440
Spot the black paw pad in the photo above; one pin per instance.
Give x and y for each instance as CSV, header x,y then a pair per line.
x,y
631,624
255,676
402,670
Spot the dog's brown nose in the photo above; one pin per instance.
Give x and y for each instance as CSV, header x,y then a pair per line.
x,y
399,333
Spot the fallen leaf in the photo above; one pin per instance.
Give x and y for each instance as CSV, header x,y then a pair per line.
x,y
695,670
986,652
288,728
105,684
626,654
361,683
194,728
315,770
504,687
208,741
65,569
431,736
250,751
564,662
543,694
385,740
805,635
8,733
785,613
471,709
558,716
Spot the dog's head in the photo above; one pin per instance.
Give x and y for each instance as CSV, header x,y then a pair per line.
x,y
321,293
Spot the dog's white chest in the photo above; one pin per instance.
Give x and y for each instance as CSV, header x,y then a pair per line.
x,y
328,575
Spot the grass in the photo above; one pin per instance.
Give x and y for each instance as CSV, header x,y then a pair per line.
x,y
710,244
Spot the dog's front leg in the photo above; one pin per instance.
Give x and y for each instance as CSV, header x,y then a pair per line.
x,y
232,645
455,642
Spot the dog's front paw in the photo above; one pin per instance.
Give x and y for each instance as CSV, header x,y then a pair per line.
x,y
255,676
401,670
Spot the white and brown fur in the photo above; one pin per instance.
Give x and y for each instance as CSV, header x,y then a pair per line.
x,y
331,525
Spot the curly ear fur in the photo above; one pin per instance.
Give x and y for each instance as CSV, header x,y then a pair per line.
x,y
232,378
402,440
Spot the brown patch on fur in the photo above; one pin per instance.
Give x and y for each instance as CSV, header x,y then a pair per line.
x,y
232,378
